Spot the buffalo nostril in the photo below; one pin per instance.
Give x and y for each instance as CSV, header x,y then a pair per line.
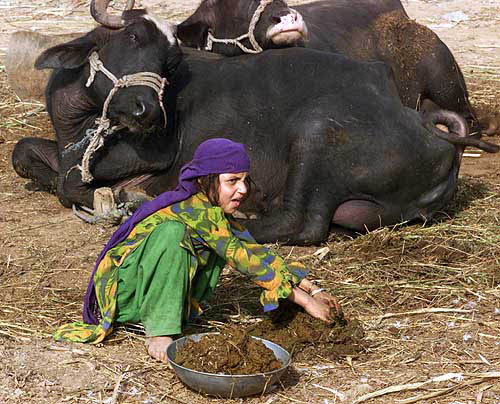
x,y
275,20
140,108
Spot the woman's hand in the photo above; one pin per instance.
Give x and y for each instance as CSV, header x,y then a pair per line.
x,y
318,309
328,300
312,305
319,294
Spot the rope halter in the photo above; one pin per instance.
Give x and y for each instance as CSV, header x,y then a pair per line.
x,y
149,79
237,41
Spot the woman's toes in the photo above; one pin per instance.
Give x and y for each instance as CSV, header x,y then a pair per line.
x,y
157,347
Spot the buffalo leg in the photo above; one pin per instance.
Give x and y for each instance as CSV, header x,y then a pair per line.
x,y
71,189
305,213
294,226
445,85
36,159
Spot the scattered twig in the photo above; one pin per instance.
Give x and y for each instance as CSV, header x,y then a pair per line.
x,y
14,336
487,46
116,390
448,390
483,66
421,311
414,386
337,393
166,395
290,399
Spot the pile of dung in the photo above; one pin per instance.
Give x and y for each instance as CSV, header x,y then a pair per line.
x,y
232,352
302,335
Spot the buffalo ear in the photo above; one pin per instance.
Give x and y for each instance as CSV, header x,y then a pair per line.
x,y
192,34
69,55
129,16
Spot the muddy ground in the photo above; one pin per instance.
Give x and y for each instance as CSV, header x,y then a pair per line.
x,y
428,295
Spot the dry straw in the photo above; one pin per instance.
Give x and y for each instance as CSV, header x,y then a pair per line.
x,y
426,293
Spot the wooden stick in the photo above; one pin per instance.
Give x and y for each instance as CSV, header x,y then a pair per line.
x,y
425,396
114,397
421,311
337,394
441,392
414,386
172,398
15,336
484,66
391,389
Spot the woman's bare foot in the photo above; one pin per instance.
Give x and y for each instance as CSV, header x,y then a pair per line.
x,y
157,347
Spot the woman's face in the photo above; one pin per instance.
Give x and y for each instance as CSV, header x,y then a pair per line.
x,y
232,189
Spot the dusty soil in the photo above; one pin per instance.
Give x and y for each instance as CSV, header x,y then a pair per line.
x,y
428,296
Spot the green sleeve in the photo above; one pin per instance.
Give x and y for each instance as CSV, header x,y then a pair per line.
x,y
243,253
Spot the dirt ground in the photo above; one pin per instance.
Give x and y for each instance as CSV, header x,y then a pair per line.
x,y
428,296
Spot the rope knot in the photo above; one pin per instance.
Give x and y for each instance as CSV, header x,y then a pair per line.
x,y
250,34
103,124
123,82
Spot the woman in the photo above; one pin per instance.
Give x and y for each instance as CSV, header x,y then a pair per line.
x,y
168,256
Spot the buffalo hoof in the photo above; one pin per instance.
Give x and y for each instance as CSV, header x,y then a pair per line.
x,y
111,218
490,125
105,210
104,201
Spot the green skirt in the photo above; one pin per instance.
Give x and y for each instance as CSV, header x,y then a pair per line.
x,y
156,281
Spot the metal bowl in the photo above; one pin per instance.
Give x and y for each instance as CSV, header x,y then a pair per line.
x,y
223,385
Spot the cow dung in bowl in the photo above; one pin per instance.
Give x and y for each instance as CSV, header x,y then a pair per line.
x,y
227,364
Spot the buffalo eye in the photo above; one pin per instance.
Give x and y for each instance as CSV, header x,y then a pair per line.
x,y
133,37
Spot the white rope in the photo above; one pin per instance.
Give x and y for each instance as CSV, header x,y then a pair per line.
x,y
250,34
104,128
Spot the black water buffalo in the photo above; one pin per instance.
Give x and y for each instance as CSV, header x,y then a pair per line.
x,y
74,107
425,71
330,142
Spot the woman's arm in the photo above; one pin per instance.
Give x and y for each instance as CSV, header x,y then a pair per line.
x,y
243,253
264,267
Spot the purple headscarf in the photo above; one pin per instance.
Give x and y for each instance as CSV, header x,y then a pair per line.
x,y
214,156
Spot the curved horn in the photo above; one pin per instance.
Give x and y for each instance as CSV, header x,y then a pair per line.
x,y
98,10
452,120
458,131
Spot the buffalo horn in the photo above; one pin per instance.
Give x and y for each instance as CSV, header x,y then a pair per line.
x,y
98,10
